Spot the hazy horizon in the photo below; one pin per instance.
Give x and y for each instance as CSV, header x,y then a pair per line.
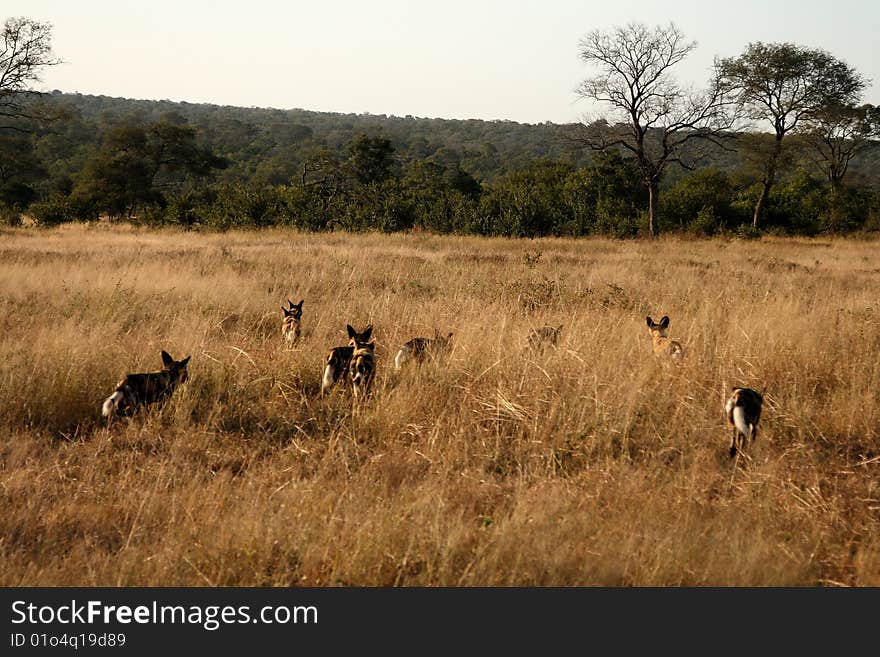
x,y
485,61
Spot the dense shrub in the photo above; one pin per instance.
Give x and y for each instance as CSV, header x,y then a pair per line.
x,y
160,173
700,202
61,209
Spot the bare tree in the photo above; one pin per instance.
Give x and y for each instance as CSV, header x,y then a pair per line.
x,y
785,84
650,116
837,133
26,48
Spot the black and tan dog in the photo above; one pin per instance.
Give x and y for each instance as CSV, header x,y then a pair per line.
x,y
336,365
419,349
362,368
146,388
743,411
290,324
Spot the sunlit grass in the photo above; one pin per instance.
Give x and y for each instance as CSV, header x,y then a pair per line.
x,y
595,463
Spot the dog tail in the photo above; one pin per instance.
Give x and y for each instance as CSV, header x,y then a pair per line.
x,y
739,421
111,404
401,357
329,377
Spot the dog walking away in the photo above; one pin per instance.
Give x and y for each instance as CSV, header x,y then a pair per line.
x,y
144,389
337,361
743,411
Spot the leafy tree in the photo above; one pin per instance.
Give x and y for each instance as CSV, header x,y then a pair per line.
x,y
427,191
20,169
650,116
371,159
837,133
463,182
784,84
118,179
135,163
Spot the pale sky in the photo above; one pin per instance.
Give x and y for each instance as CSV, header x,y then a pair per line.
x,y
451,59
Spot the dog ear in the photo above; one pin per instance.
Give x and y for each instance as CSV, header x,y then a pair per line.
x,y
650,321
351,331
185,361
285,311
664,323
300,304
167,360
367,332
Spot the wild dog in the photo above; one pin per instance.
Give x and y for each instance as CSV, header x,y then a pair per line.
x,y
337,361
419,349
362,367
543,338
743,411
663,346
146,388
290,324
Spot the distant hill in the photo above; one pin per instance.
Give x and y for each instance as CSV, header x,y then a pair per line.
x,y
268,143
267,146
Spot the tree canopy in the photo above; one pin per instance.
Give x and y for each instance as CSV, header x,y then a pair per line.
x,y
785,84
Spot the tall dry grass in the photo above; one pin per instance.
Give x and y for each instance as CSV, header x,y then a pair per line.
x,y
594,464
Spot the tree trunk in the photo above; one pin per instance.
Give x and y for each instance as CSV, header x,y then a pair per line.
x,y
836,181
769,178
759,206
653,194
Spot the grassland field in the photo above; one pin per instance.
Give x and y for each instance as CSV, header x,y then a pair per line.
x,y
596,463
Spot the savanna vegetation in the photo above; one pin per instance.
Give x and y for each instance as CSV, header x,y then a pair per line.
x,y
594,463
779,141
130,227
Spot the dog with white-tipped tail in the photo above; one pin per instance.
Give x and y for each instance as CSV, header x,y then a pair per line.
x,y
146,388
743,411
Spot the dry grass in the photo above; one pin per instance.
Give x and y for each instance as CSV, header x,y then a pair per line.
x,y
593,464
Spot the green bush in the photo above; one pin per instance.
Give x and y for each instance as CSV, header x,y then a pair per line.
x,y
709,192
798,204
747,232
706,223
53,212
615,218
10,217
238,206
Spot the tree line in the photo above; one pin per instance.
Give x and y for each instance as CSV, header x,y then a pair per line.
x,y
778,140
